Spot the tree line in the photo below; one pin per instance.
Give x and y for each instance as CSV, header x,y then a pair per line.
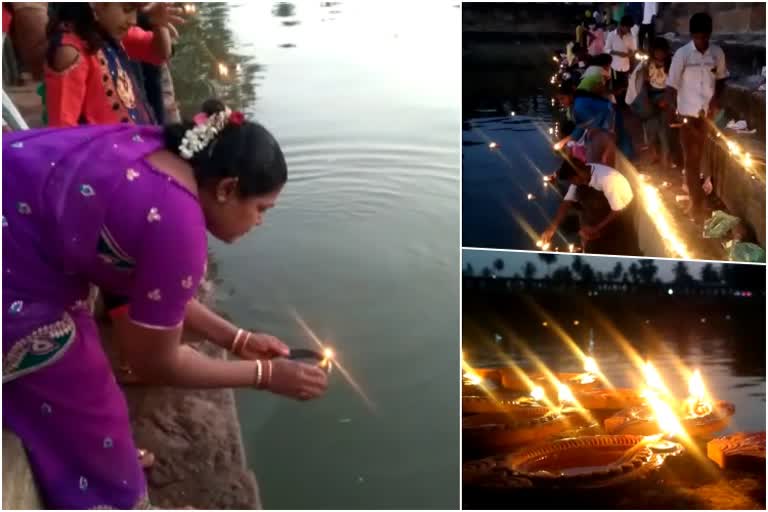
x,y
640,272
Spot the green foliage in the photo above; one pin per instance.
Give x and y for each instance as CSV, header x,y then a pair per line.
x,y
205,42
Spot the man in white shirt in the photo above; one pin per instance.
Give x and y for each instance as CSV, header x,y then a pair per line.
x,y
607,214
647,29
621,46
695,82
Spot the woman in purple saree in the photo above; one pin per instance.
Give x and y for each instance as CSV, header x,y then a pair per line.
x,y
126,208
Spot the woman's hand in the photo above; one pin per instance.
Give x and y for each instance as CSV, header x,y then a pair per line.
x,y
262,346
297,380
164,15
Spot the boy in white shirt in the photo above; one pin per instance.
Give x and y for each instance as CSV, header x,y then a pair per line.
x,y
607,217
694,85
620,44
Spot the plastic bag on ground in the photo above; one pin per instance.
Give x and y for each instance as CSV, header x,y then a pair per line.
x,y
719,224
746,252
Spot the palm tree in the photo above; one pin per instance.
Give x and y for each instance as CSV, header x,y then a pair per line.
x,y
577,265
634,271
647,271
529,270
618,271
562,275
709,275
469,270
682,276
498,264
587,274
548,259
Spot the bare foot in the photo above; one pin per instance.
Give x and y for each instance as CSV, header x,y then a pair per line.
x,y
146,458
125,375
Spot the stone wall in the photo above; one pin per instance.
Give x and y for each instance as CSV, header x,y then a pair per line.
x,y
19,491
729,18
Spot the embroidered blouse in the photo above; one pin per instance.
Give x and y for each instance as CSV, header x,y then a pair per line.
x,y
101,87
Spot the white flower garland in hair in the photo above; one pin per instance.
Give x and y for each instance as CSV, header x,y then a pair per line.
x,y
199,136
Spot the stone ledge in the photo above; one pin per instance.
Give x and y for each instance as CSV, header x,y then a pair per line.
x,y
19,490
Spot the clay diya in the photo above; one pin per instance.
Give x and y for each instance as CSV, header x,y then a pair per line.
x,y
641,421
580,462
608,399
505,401
514,381
524,420
698,415
724,451
474,379
504,431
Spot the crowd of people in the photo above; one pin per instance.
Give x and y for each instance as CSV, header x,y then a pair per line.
x,y
615,73
107,195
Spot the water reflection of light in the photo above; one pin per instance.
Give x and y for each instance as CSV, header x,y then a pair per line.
x,y
662,219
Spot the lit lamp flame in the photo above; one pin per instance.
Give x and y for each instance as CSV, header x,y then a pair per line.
x,y
652,378
530,197
542,245
661,219
591,370
571,248
328,356
697,405
492,145
190,9
554,58
664,415
223,69
564,394
733,148
747,160
537,393
472,378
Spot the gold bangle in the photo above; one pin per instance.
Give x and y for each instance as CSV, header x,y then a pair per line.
x,y
244,343
269,373
258,374
233,348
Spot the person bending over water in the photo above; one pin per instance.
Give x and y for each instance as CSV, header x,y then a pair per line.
x,y
127,208
607,214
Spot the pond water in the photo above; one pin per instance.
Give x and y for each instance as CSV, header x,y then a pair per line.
x,y
363,245
508,101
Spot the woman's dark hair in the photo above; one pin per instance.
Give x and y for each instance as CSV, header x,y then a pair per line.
x,y
247,152
659,43
76,17
701,23
627,21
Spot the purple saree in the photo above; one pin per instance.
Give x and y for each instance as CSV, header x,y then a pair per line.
x,y
80,206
